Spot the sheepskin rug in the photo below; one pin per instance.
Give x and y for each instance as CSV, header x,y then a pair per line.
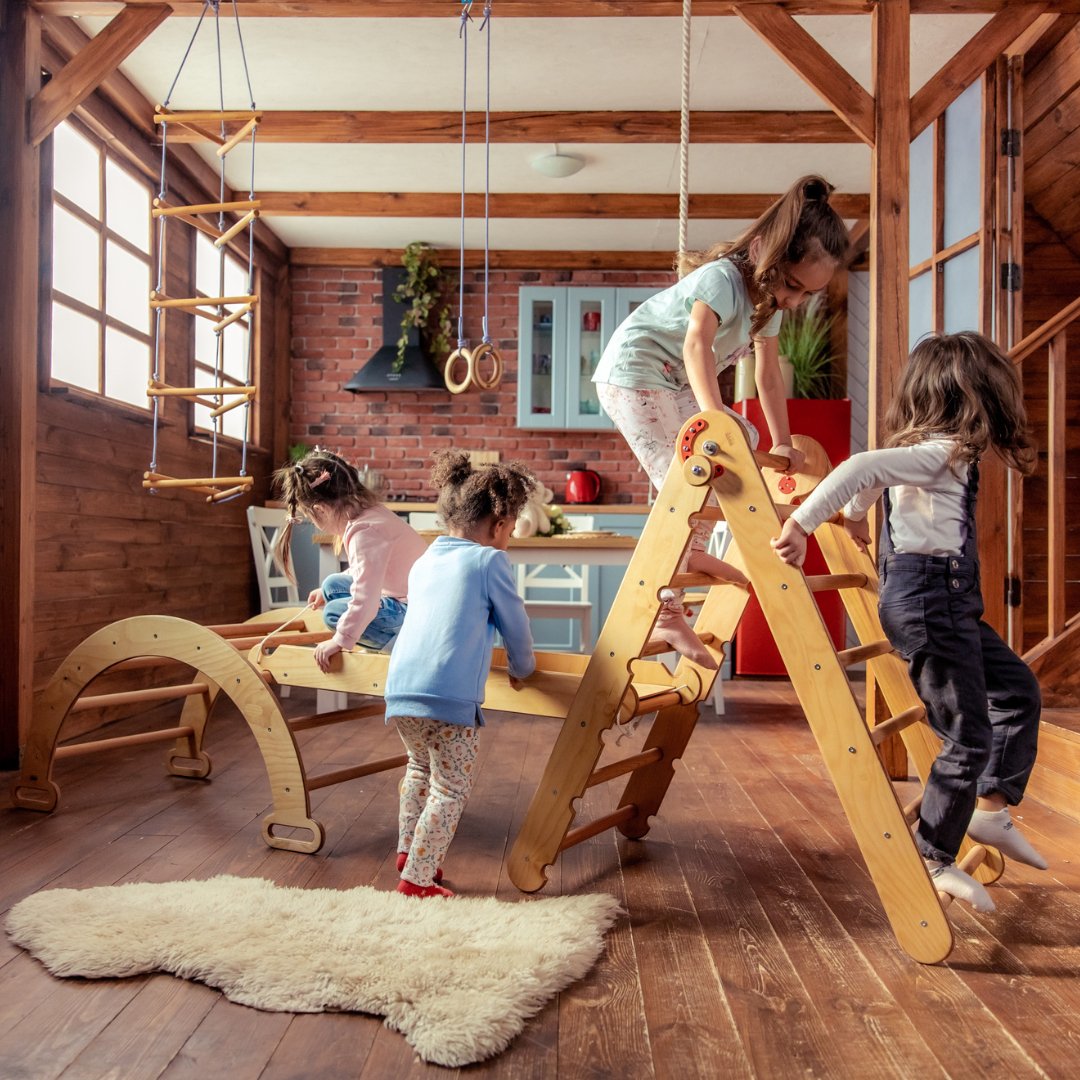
x,y
458,978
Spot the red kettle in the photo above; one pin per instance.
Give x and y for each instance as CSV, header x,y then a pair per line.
x,y
582,486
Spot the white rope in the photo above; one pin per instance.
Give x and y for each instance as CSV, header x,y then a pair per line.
x,y
684,130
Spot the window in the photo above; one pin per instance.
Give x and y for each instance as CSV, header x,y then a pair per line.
x,y
221,356
101,279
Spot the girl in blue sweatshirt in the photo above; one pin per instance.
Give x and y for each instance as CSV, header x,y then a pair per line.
x,y
461,591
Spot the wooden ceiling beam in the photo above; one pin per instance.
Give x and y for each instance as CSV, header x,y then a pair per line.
x,y
539,9
527,205
498,260
813,65
86,70
958,73
603,126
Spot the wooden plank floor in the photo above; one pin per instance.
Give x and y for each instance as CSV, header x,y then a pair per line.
x,y
753,944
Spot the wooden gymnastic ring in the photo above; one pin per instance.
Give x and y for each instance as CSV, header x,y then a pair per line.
x,y
482,352
462,353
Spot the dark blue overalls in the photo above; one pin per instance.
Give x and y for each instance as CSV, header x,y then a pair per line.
x,y
980,697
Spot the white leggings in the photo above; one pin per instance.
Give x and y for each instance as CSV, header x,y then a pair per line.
x,y
650,422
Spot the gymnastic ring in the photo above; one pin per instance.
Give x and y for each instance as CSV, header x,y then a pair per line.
x,y
462,353
482,352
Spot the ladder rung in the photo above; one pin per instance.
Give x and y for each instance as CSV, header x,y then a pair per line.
x,y
825,582
244,629
272,641
135,697
627,764
683,581
656,648
230,405
911,810
204,116
339,716
228,493
157,301
229,143
847,657
771,461
880,732
229,319
239,226
236,206
608,821
206,483
99,745
160,389
339,776
969,864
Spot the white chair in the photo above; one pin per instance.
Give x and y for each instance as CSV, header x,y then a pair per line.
x,y
275,589
569,579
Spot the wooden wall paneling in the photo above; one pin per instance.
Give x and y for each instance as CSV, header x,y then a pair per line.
x,y
20,79
375,258
1056,76
85,71
1055,450
278,378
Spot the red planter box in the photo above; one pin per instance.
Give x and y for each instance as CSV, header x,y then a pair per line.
x,y
829,422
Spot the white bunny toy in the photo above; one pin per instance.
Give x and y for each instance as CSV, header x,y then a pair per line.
x,y
534,517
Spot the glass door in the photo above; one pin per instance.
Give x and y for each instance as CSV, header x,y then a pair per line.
x,y
590,321
541,392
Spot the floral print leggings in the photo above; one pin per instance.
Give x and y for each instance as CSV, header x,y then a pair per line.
x,y
434,791
650,421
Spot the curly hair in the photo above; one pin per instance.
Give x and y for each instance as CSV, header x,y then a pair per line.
x,y
323,477
801,224
963,386
469,496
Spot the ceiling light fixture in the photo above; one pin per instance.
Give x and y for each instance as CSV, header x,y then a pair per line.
x,y
558,165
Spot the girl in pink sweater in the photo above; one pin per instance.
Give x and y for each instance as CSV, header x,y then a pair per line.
x,y
365,606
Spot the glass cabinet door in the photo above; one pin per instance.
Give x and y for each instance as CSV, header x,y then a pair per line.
x,y
590,321
541,389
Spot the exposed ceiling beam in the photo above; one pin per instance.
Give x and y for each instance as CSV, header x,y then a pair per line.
x,y
527,205
497,260
813,65
958,73
604,126
540,9
86,70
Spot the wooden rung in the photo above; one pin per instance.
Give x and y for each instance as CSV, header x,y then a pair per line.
x,y
232,317
339,776
825,582
311,637
230,405
246,130
200,301
228,493
880,732
627,764
969,864
160,389
244,629
204,116
693,599
770,461
911,810
339,716
684,581
134,697
138,663
100,745
847,657
657,648
654,699
154,481
238,206
239,226
205,483
608,821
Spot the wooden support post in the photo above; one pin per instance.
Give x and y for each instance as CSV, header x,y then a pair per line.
x,y
20,80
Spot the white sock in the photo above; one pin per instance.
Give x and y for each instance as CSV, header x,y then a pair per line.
x,y
952,881
996,827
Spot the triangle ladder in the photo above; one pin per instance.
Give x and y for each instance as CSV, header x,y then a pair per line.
x,y
714,458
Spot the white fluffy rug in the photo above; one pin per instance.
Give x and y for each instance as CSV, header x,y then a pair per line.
x,y
458,978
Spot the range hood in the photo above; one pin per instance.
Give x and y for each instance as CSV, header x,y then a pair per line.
x,y
419,372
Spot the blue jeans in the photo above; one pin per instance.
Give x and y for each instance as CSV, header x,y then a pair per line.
x,y
981,699
337,590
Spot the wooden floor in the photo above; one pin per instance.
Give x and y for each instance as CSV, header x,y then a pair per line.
x,y
753,944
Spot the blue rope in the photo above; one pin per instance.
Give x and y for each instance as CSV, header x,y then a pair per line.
x,y
486,24
463,34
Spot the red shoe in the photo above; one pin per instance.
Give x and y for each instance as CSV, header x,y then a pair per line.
x,y
409,889
403,858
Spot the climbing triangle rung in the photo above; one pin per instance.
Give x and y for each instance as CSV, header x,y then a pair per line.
x,y
685,581
657,648
137,697
880,732
911,810
100,745
237,206
339,776
826,582
859,653
601,824
625,765
339,716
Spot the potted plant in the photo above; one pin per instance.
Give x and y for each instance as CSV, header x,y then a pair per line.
x,y
423,291
806,344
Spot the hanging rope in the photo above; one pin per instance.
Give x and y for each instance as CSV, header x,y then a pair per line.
x,y
486,350
684,131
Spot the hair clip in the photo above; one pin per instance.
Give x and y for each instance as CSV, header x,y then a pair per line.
x,y
320,479
299,467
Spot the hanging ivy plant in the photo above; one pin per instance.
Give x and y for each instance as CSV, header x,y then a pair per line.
x,y
423,291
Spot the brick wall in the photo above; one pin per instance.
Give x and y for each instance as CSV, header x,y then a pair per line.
x,y
336,327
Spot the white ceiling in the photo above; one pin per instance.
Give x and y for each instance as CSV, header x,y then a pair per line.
x,y
537,64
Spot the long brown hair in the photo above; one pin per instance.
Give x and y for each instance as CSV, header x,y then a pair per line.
x,y
962,386
469,496
800,224
322,477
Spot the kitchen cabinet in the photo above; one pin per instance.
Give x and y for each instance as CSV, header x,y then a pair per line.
x,y
562,331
